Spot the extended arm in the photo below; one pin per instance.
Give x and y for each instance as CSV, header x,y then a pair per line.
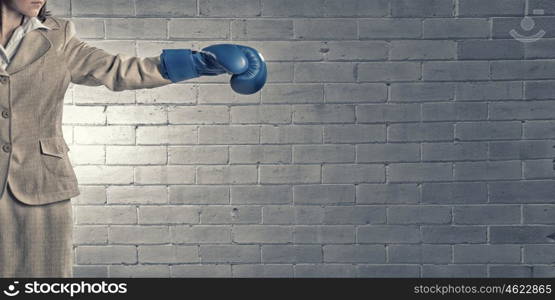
x,y
89,65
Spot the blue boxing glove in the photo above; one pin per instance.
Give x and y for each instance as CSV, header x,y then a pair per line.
x,y
245,64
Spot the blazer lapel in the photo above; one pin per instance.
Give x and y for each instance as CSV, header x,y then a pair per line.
x,y
33,46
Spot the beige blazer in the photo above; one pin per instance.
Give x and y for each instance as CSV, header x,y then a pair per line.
x,y
33,151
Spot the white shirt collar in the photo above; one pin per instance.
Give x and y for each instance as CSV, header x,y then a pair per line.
x,y
32,23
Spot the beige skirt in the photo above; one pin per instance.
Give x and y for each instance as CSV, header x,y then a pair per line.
x,y
35,240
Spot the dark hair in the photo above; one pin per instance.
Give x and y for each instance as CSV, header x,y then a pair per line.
x,y
43,13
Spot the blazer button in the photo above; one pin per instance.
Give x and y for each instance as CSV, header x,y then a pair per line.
x,y
5,114
7,147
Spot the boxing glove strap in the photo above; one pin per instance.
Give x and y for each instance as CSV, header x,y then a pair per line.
x,y
178,64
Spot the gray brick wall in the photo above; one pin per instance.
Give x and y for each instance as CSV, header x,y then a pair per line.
x,y
393,138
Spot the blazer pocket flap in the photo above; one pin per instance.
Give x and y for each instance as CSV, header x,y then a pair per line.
x,y
54,146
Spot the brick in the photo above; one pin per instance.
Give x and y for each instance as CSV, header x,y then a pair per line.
x,y
235,8
199,29
325,234
168,215
261,114
507,150
492,49
421,8
198,155
457,111
325,29
517,111
290,174
171,8
418,172
124,234
487,170
113,254
419,214
453,193
488,130
479,8
539,254
168,254
165,175
455,71
374,113
173,134
359,133
292,254
352,173
388,71
288,93
522,192
355,92
390,28
198,194
454,151
355,50
388,152
538,214
100,8
538,169
229,253
388,193
217,214
354,253
448,234
200,234
136,195
526,69
355,215
95,214
246,29
491,90
455,28
324,72
417,92
406,234
420,132
323,153
420,254
261,194
266,234
287,134
233,174
521,234
539,130
324,194
136,28
490,214
422,50
199,114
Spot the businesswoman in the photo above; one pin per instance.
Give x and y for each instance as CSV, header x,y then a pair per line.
x,y
39,56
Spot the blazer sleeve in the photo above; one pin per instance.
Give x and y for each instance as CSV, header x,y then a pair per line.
x,y
89,65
